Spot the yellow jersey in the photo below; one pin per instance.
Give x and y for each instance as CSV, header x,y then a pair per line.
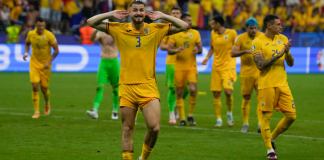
x,y
222,46
186,59
170,59
137,50
275,75
41,47
248,67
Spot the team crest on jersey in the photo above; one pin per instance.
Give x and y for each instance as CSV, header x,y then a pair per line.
x,y
226,37
190,35
279,42
146,30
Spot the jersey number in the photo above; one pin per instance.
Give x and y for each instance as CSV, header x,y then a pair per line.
x,y
138,42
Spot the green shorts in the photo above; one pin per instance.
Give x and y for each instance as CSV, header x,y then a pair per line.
x,y
170,75
108,71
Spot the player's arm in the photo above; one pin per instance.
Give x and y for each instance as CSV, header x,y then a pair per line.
x,y
236,52
198,48
56,51
97,20
288,57
210,53
94,36
27,47
172,49
178,25
263,63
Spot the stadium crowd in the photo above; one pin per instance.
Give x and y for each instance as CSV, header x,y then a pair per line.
x,y
67,16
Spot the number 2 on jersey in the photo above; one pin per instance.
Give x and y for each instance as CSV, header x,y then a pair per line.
x,y
138,41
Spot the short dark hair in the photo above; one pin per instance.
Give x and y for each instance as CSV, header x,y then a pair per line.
x,y
136,2
176,8
185,15
40,19
219,19
268,19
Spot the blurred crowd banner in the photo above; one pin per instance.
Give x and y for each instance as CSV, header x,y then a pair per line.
x,y
82,58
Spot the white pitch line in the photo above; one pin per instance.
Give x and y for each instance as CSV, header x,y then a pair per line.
x,y
198,115
188,128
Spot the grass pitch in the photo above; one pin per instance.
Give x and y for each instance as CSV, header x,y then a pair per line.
x,y
68,134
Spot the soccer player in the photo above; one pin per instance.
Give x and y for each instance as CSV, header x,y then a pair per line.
x,y
249,72
108,72
186,68
138,43
224,68
41,41
270,51
170,61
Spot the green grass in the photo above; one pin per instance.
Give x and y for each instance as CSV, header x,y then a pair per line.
x,y
68,134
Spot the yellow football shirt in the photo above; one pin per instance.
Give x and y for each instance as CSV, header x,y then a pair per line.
x,y
170,59
186,59
41,47
248,67
222,45
275,75
137,50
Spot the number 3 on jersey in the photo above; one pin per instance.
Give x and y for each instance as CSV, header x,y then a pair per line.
x,y
138,44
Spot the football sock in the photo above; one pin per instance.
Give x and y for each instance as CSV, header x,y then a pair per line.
x,y
265,129
283,124
115,99
146,150
218,107
192,105
245,111
180,105
171,99
35,98
98,97
127,155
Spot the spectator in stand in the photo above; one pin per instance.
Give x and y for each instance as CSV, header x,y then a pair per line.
x,y
121,4
301,17
105,6
193,9
13,31
4,17
45,10
30,20
313,21
16,11
241,15
207,6
85,33
56,15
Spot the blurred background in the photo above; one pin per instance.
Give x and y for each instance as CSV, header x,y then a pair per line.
x,y
303,22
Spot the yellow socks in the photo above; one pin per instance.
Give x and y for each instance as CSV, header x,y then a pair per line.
x,y
192,105
180,105
218,107
265,129
126,155
283,124
245,111
35,98
146,151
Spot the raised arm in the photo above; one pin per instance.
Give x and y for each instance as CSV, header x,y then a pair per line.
x,y
178,25
97,20
94,35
